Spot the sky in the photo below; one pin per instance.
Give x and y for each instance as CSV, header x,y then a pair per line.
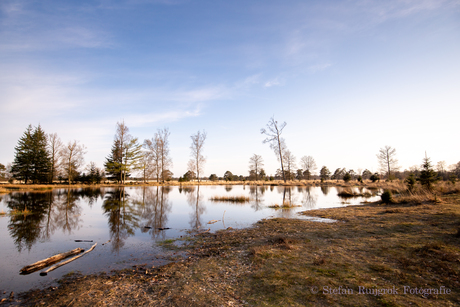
x,y
347,77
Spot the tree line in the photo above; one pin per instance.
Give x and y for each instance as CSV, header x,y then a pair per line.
x,y
44,158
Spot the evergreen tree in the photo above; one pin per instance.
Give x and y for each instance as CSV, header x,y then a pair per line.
x,y
427,175
114,162
31,161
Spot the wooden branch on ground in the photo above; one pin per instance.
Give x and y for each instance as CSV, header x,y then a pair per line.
x,y
44,273
48,261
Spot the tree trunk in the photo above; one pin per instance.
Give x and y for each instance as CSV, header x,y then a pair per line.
x,y
44,273
48,261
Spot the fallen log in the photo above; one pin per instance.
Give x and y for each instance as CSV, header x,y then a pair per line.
x,y
83,240
54,267
48,261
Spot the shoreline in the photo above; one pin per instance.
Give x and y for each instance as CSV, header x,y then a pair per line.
x,y
7,187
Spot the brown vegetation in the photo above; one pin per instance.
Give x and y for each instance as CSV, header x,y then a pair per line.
x,y
234,199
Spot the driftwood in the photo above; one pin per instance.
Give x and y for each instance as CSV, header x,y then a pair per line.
x,y
203,232
48,261
54,267
83,240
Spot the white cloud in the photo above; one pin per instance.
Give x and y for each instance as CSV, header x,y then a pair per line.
x,y
273,82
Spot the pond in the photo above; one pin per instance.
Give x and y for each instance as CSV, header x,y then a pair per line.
x,y
129,224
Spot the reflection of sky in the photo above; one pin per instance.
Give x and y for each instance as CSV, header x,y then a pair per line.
x,y
140,247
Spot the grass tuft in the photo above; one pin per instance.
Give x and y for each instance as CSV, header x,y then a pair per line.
x,y
285,205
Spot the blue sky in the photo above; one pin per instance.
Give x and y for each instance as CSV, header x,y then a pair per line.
x,y
348,77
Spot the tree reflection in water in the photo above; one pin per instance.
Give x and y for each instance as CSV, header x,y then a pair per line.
x,y
122,218
196,202
257,193
48,225
325,189
153,209
309,199
68,211
24,227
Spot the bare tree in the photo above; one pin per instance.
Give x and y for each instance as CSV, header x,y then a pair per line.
x,y
277,143
158,154
55,146
197,160
72,156
145,164
441,167
309,165
289,162
387,159
153,157
255,164
163,149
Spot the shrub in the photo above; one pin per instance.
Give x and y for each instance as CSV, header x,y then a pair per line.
x,y
375,177
410,181
386,197
346,177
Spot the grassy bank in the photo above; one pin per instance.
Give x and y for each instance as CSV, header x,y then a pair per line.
x,y
372,250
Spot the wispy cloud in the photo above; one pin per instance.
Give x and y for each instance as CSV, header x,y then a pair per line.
x,y
319,67
273,82
24,29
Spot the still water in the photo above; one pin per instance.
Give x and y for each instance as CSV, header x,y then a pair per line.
x,y
127,223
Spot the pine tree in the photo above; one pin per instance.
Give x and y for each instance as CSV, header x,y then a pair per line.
x,y
427,175
22,165
41,160
114,162
31,161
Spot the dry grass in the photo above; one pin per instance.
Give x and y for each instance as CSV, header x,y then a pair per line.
x,y
233,199
285,205
419,197
348,192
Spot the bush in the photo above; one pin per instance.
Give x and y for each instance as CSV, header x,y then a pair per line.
x,y
347,177
410,181
375,177
386,197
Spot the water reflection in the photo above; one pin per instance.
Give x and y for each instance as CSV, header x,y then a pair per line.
x,y
68,211
25,227
195,200
153,209
309,198
121,215
325,189
257,200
